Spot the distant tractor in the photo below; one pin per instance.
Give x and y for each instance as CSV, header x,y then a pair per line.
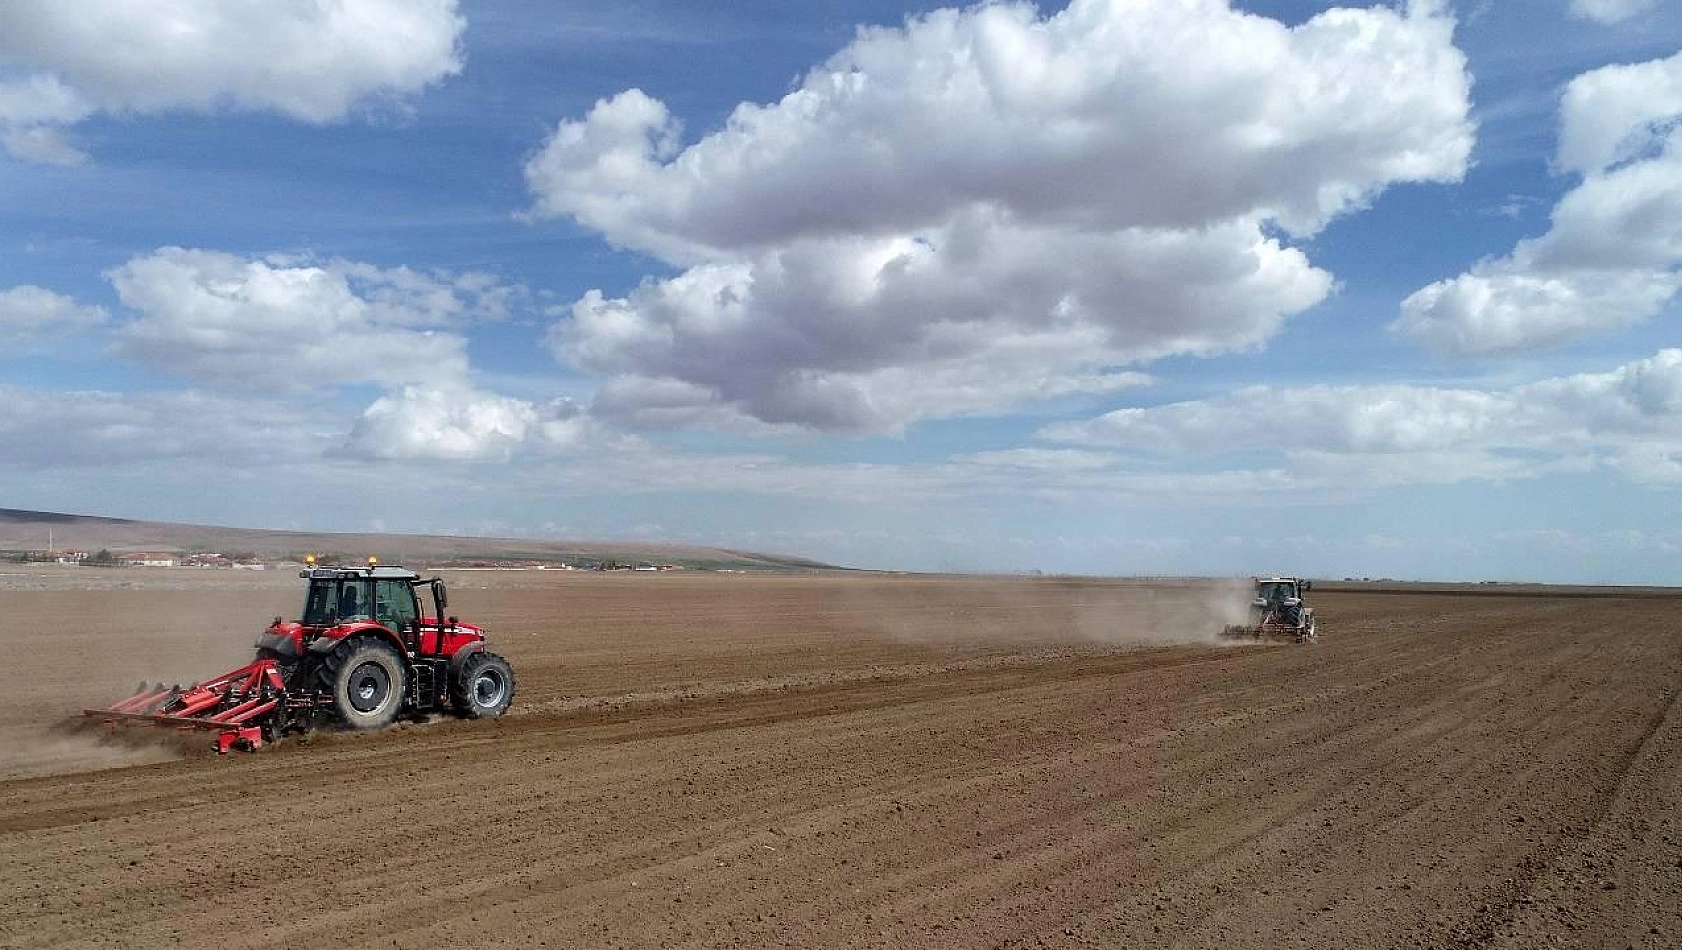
x,y
365,652
1277,612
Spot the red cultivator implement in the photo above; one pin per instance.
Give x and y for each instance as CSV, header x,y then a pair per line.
x,y
243,708
364,653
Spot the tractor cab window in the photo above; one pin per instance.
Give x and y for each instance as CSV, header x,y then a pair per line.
x,y
353,601
321,605
336,601
1275,592
394,603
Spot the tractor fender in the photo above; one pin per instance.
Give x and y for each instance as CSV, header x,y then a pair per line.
x,y
279,643
328,643
461,656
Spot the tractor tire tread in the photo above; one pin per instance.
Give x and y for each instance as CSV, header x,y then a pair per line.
x,y
341,659
462,698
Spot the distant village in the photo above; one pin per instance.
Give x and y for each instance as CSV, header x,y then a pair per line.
x,y
103,558
207,560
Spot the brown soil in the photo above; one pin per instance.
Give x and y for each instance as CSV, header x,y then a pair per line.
x,y
850,761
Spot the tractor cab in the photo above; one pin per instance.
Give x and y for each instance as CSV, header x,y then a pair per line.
x,y
394,602
1276,591
389,596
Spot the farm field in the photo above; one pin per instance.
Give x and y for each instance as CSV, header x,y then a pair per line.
x,y
839,761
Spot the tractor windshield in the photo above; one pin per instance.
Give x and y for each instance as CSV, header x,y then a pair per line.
x,y
1275,591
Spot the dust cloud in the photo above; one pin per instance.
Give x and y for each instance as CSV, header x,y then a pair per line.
x,y
1053,612
168,626
61,749
1191,614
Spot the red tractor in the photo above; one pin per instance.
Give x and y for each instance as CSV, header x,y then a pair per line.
x,y
365,652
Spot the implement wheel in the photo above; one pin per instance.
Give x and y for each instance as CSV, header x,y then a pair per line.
x,y
367,681
483,688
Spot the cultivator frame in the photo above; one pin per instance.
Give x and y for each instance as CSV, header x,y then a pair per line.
x,y
1272,627
243,707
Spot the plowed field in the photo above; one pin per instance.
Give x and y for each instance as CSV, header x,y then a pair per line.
x,y
866,761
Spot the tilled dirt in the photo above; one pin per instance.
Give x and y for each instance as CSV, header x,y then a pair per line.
x,y
840,761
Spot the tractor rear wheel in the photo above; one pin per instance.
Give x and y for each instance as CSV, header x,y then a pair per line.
x,y
367,681
483,687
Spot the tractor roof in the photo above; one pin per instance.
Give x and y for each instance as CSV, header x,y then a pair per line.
x,y
359,573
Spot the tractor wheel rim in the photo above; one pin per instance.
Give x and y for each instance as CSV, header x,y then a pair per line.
x,y
368,687
487,688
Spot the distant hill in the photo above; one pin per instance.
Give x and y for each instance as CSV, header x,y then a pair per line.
x,y
29,531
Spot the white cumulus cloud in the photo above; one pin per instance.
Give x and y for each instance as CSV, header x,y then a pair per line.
x,y
30,315
983,316
292,327
989,206
1613,256
460,423
32,111
313,60
287,325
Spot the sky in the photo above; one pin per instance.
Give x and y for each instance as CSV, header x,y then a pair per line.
x,y
1152,287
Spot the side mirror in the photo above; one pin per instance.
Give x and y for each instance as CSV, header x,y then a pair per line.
x,y
1307,585
443,594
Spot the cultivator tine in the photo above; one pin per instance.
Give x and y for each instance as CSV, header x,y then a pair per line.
x,y
148,697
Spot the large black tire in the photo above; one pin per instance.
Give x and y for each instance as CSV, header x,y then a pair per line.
x,y
367,681
483,688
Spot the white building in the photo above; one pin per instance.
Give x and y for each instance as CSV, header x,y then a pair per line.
x,y
150,559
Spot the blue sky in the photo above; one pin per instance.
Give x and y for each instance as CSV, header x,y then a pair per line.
x,y
1154,286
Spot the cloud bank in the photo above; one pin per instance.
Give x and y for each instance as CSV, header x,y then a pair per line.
x,y
286,325
987,207
310,60
1628,419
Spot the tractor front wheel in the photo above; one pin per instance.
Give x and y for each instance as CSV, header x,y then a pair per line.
x,y
368,682
483,687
